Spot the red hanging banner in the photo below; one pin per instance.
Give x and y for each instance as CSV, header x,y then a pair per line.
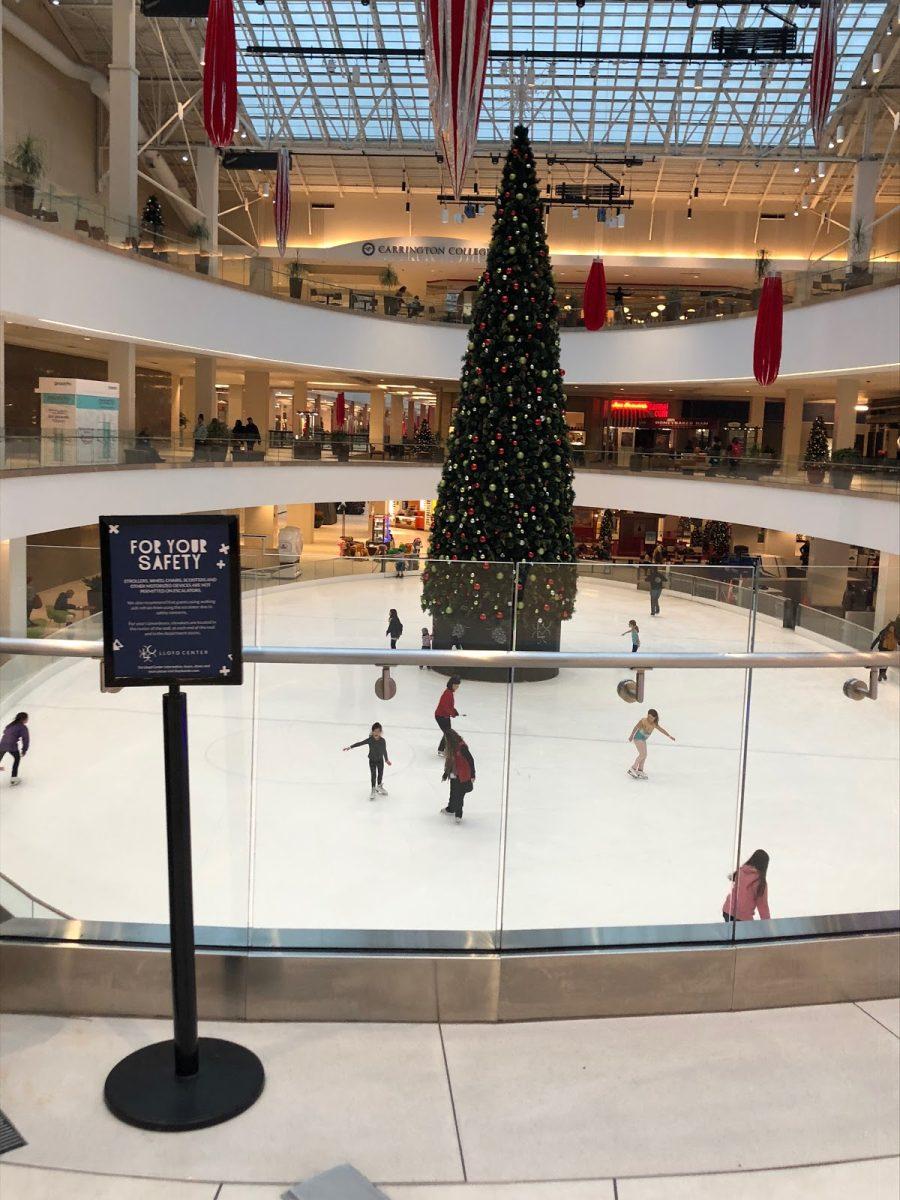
x,y
595,297
340,410
767,342
220,74
456,49
821,75
282,202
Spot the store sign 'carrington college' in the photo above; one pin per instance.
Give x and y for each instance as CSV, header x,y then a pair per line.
x,y
424,249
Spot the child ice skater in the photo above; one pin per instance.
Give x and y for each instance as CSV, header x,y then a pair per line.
x,y
378,756
15,742
426,642
639,735
635,636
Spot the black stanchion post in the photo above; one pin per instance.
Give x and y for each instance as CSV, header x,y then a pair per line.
x,y
181,897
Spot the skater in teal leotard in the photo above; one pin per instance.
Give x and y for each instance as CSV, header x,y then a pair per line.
x,y
639,735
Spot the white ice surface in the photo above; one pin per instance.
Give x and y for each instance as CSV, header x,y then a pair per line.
x,y
285,836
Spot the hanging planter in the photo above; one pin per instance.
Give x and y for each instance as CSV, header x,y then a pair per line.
x,y
595,297
456,49
821,74
282,202
220,74
767,342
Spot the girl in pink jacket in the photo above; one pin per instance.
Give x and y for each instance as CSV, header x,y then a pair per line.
x,y
749,892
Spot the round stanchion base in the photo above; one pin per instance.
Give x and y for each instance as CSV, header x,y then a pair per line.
x,y
144,1090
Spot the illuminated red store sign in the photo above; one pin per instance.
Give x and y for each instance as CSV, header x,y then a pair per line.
x,y
623,411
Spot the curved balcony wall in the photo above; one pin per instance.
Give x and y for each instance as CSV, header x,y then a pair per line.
x,y
59,281
41,501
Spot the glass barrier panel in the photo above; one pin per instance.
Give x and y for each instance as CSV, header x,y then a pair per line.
x,y
615,834
85,832
334,864
822,782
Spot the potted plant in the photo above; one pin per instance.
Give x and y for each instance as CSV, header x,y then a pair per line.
x,y
28,161
340,445
295,280
198,232
388,277
816,456
217,441
307,447
843,465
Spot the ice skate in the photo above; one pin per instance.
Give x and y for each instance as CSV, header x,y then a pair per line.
x,y
642,775
14,782
458,819
448,811
633,773
372,794
381,790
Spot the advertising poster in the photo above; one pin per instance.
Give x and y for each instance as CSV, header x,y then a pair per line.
x,y
171,600
79,421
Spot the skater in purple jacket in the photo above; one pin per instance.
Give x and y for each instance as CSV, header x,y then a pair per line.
x,y
15,741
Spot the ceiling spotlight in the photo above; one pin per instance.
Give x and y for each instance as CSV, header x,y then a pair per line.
x,y
796,212
804,201
184,158
696,190
663,72
266,190
330,66
796,168
864,82
574,214
698,81
839,134
243,135
445,214
579,3
831,144
690,213
876,62
458,218
355,76
407,206
820,170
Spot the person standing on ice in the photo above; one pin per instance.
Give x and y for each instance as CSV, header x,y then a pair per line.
x,y
378,756
639,735
749,892
635,635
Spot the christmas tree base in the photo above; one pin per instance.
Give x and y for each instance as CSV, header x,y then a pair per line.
x,y
473,634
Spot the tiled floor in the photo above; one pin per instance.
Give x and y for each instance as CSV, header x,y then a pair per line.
x,y
698,1107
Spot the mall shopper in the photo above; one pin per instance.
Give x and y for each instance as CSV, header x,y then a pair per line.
x,y
378,756
459,768
201,433
252,434
238,435
639,735
749,892
15,741
426,642
887,640
394,629
656,587
446,710
64,606
635,635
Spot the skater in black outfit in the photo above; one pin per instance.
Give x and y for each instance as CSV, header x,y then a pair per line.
x,y
394,629
656,587
459,768
378,756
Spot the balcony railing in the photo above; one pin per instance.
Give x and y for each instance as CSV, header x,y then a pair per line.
x,y
67,452
638,307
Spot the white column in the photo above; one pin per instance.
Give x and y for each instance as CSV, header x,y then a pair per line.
x,y
235,403
844,432
887,593
396,420
13,587
123,114
757,415
205,387
862,209
208,199
376,419
120,363
792,429
175,409
410,418
257,400
826,576
299,404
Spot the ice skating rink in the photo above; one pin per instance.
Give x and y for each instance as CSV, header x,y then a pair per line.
x,y
286,837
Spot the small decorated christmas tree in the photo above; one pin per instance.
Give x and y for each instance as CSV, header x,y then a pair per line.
x,y
424,437
152,217
607,531
717,539
506,494
817,446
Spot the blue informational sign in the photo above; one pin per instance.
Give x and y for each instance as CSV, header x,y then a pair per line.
x,y
171,601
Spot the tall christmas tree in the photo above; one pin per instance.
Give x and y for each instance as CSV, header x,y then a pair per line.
x,y
817,446
152,216
717,538
506,493
607,531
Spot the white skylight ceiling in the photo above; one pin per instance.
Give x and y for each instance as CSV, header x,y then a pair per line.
x,y
614,104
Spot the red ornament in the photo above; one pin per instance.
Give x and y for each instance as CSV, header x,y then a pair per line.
x,y
767,340
482,616
220,73
595,297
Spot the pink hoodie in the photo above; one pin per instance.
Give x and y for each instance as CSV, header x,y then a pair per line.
x,y
742,901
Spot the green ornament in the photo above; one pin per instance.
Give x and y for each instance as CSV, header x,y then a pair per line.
x,y
511,250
